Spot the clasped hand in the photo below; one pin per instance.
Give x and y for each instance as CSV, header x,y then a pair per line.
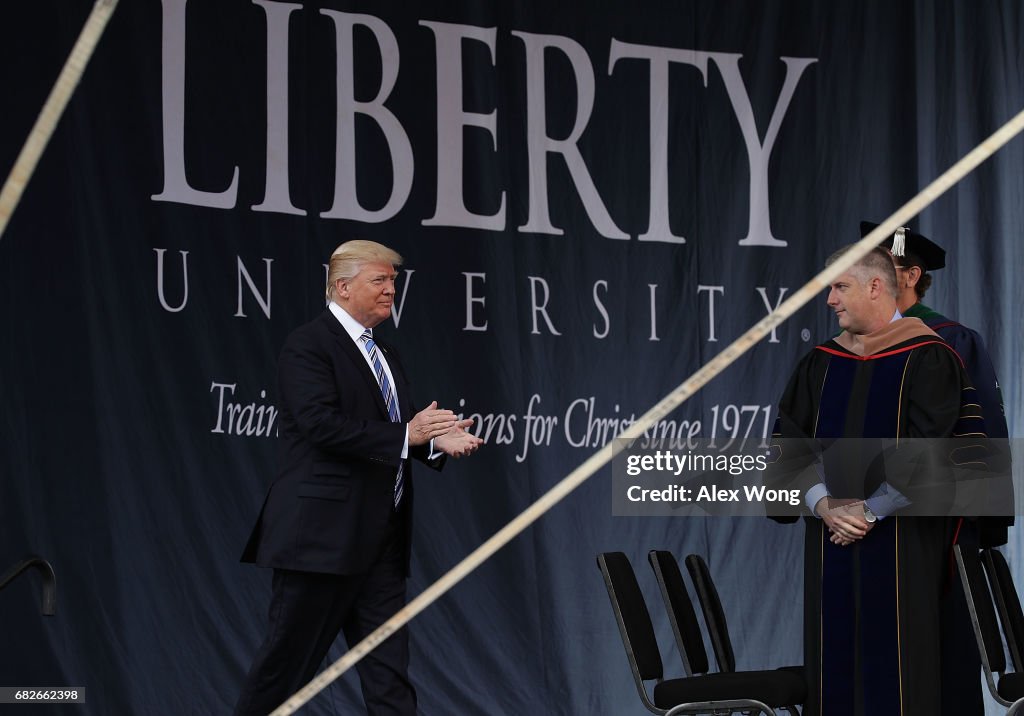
x,y
845,520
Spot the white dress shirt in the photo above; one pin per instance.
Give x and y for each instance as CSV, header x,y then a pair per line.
x,y
354,330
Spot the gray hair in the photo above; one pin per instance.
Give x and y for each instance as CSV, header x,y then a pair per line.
x,y
348,260
876,263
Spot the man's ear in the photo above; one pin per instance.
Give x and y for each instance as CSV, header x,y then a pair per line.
x,y
913,276
875,287
341,288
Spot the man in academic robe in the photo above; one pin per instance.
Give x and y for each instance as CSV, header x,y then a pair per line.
x,y
915,257
873,575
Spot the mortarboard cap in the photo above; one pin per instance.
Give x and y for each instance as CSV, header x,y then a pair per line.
x,y
905,241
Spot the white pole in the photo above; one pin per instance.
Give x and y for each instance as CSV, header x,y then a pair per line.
x,y
52,110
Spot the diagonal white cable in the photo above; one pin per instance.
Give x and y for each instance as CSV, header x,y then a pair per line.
x,y
52,110
667,404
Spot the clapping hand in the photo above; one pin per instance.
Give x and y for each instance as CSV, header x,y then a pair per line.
x,y
430,423
457,442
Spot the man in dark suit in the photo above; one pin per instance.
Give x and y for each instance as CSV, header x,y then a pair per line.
x,y
336,523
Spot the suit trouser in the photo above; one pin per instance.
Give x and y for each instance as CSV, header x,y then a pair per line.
x,y
308,609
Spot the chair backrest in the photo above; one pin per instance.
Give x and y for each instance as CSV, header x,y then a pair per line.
x,y
983,613
1007,602
714,615
681,615
633,619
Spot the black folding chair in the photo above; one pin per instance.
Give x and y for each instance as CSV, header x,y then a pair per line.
x,y
696,694
688,636
714,615
1006,688
1011,616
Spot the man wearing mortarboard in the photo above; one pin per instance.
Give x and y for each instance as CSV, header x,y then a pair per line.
x,y
914,257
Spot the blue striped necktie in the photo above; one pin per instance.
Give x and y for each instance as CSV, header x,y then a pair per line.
x,y
389,400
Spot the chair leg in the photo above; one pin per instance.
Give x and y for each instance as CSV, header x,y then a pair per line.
x,y
721,707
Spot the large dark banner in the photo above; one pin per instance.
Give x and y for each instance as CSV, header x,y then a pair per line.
x,y
592,200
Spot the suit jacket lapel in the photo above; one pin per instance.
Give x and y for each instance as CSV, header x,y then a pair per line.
x,y
348,348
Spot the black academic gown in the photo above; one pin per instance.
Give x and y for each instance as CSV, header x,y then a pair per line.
x,y
961,663
872,608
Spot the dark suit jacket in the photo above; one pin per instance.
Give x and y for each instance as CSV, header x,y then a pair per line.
x,y
329,508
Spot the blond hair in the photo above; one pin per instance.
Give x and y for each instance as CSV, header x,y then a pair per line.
x,y
348,260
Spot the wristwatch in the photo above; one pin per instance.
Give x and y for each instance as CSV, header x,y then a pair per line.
x,y
869,515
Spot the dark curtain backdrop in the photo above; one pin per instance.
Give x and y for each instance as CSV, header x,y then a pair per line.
x,y
146,293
